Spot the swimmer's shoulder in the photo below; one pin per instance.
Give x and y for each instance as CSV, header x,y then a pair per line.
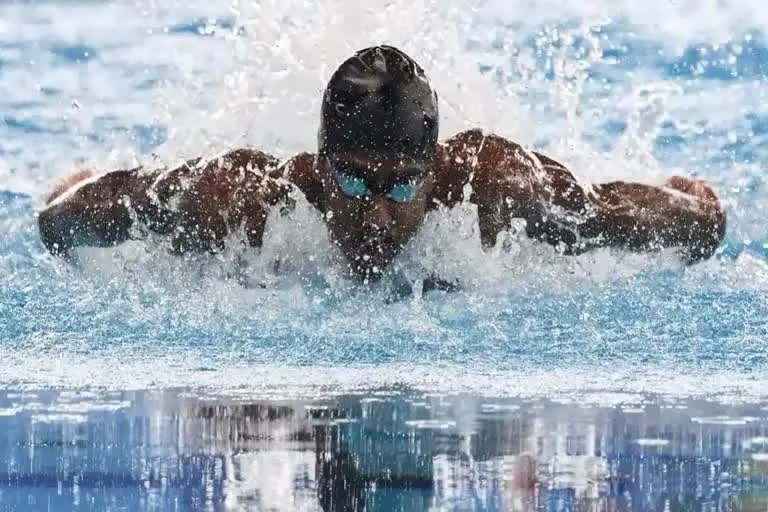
x,y
214,177
302,172
476,141
479,157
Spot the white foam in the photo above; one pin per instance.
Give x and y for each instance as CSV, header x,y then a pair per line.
x,y
677,24
614,386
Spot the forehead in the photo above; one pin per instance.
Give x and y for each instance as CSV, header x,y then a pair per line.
x,y
368,164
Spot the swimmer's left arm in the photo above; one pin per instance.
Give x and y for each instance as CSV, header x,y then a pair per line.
x,y
507,182
683,213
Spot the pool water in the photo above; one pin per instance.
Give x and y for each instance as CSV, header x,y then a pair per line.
x,y
386,450
616,90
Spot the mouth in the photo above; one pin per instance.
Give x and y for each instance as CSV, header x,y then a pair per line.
x,y
371,258
368,255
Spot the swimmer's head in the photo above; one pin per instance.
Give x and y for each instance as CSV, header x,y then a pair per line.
x,y
376,146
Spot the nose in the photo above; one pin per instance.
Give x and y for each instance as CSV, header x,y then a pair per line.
x,y
378,217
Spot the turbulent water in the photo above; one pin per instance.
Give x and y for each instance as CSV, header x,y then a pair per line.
x,y
613,89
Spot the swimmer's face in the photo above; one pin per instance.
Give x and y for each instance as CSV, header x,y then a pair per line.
x,y
374,205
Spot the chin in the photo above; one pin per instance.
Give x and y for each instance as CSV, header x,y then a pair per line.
x,y
371,268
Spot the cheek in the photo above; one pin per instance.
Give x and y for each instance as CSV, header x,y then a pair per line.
x,y
336,208
409,217
342,217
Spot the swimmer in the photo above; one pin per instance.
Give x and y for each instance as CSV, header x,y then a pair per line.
x,y
378,170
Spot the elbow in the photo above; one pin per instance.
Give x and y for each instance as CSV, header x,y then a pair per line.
x,y
708,238
52,232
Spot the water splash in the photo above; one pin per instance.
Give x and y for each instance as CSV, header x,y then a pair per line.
x,y
591,90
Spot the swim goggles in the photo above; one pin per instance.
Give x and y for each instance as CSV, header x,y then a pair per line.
x,y
355,187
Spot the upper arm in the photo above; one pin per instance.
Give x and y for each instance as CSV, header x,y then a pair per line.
x,y
505,181
302,172
209,197
259,192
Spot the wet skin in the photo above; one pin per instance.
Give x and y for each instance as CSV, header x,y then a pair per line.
x,y
201,203
372,228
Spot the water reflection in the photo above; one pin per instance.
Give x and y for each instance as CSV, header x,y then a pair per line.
x,y
174,450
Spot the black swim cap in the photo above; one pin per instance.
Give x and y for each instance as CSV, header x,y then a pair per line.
x,y
379,100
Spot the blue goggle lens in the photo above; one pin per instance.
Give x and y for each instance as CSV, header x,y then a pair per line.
x,y
352,186
402,192
356,188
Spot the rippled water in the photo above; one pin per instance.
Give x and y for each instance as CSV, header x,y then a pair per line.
x,y
387,451
613,89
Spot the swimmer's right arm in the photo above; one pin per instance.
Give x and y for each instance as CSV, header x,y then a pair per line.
x,y
198,204
90,210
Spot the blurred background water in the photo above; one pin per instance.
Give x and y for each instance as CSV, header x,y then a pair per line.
x,y
614,89
385,451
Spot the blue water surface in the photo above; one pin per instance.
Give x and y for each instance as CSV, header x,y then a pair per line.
x,y
136,380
